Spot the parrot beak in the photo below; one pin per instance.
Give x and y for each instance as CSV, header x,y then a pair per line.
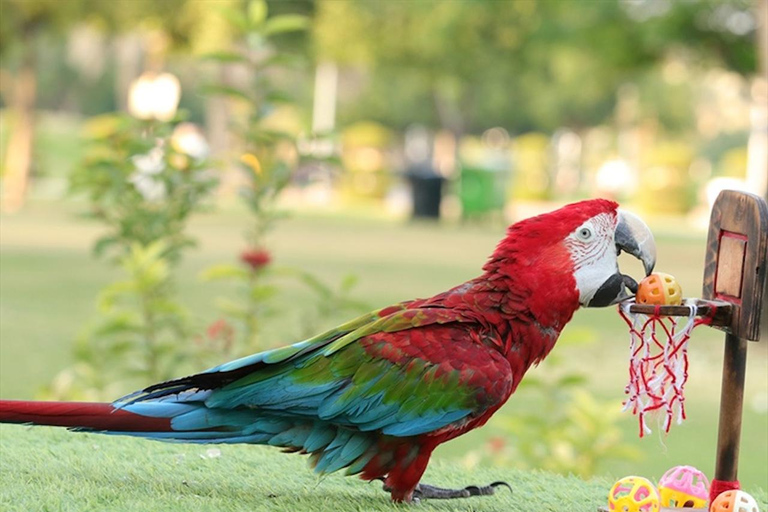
x,y
634,237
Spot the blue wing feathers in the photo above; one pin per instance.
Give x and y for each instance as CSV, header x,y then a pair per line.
x,y
308,396
355,447
423,425
320,437
293,437
358,465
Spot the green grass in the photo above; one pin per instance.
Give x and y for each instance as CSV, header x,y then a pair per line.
x,y
48,469
48,285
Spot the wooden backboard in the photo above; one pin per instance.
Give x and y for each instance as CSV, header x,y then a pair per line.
x,y
736,259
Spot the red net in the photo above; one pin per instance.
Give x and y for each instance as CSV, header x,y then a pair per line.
x,y
658,364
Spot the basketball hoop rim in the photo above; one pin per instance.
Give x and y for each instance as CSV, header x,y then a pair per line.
x,y
717,311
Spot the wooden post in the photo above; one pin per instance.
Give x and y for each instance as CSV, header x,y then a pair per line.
x,y
731,405
735,272
734,284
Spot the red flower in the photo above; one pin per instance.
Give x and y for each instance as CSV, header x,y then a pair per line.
x,y
221,330
256,258
496,444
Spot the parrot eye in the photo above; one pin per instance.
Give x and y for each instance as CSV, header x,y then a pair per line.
x,y
584,234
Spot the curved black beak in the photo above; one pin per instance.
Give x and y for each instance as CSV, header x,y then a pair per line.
x,y
634,237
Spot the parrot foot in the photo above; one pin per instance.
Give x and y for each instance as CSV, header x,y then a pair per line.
x,y
425,491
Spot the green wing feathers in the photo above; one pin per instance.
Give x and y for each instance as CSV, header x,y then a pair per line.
x,y
396,373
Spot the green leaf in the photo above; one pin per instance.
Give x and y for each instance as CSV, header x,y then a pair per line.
x,y
224,271
261,293
262,136
224,56
102,244
282,59
257,12
349,282
113,292
286,23
121,347
169,307
232,308
316,285
223,90
572,380
105,126
279,97
235,18
119,323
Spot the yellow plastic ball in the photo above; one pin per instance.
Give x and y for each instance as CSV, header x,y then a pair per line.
x,y
673,498
659,289
633,494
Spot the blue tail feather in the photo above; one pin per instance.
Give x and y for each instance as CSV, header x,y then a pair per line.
x,y
333,447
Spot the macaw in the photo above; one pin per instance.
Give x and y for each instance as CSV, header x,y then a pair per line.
x,y
378,394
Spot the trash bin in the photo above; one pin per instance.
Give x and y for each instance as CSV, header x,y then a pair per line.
x,y
482,190
426,191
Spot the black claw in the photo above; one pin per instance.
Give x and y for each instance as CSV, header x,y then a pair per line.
x,y
500,484
487,490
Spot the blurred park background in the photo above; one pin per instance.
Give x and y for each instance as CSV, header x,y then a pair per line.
x,y
192,180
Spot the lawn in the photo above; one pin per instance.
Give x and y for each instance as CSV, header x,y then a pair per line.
x,y
49,469
48,284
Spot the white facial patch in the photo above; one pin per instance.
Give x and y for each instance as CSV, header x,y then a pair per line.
x,y
593,253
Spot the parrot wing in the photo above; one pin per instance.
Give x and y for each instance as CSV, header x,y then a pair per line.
x,y
402,371
231,371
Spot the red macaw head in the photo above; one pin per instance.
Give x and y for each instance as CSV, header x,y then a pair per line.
x,y
574,250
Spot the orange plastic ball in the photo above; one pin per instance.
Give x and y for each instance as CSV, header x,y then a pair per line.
x,y
734,501
659,289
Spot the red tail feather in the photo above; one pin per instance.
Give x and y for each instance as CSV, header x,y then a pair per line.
x,y
89,415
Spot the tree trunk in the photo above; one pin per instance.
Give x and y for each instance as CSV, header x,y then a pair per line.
x,y
18,159
759,169
761,37
218,116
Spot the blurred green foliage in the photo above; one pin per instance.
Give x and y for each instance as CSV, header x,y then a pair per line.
x,y
137,338
367,171
532,167
268,134
264,111
140,183
463,65
143,181
568,431
665,185
525,65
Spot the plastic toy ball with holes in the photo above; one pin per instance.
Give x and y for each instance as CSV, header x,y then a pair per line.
x,y
633,494
684,486
734,501
659,289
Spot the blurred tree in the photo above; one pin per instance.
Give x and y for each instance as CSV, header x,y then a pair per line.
x,y
525,64
138,35
21,25
29,29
